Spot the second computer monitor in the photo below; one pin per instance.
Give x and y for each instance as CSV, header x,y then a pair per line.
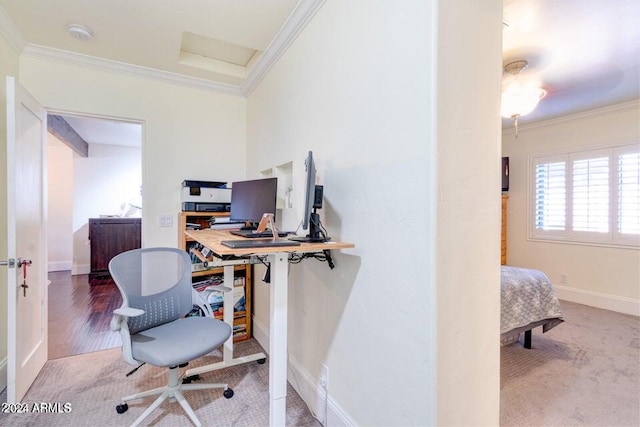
x,y
251,199
312,201
309,189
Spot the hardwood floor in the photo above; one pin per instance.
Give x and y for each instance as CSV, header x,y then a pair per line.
x,y
79,314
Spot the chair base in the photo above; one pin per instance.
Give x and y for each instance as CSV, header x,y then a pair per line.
x,y
173,389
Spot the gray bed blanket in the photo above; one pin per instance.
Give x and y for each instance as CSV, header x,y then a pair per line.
x,y
527,298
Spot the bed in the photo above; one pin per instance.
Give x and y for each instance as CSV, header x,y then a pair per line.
x,y
527,301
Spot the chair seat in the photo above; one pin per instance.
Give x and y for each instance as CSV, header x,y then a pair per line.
x,y
179,341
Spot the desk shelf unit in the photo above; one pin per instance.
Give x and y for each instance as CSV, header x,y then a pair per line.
x,y
200,272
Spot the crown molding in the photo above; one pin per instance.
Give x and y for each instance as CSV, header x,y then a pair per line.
x,y
293,26
635,103
101,64
11,32
295,23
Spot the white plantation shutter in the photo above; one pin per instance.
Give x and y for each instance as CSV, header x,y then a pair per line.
x,y
591,195
628,192
550,195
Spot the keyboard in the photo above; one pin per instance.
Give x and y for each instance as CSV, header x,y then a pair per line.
x,y
252,234
258,243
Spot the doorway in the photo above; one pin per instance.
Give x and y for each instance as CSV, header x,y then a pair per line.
x,y
94,171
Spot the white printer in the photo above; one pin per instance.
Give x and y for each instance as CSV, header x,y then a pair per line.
x,y
205,196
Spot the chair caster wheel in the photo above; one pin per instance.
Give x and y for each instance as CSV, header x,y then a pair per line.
x,y
228,393
261,361
121,409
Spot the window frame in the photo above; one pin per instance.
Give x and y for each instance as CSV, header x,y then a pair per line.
x,y
623,238
610,238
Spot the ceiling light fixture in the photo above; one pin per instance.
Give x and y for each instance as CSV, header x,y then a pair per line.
x,y
519,99
79,32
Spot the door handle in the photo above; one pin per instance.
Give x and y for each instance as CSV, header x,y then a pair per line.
x,y
24,263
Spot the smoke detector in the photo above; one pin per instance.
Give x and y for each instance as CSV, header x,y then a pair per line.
x,y
79,32
515,67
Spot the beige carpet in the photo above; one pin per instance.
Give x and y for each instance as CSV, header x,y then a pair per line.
x,y
584,372
93,384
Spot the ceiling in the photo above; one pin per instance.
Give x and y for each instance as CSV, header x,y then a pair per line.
x,y
584,53
95,130
218,40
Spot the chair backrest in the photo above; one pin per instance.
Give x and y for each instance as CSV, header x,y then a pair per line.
x,y
156,280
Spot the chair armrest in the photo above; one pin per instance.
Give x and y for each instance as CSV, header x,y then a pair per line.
x,y
128,312
202,298
120,313
119,323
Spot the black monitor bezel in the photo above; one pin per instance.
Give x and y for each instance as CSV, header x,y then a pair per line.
x,y
244,190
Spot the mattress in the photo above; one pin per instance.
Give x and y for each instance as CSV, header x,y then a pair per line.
x,y
527,300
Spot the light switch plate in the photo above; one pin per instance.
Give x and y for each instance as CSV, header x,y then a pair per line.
x,y
166,220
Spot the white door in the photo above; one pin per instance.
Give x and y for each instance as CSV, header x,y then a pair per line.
x,y
26,306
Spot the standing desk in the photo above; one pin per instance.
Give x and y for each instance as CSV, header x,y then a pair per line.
x,y
278,258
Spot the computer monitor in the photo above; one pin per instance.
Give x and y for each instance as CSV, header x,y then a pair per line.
x,y
251,199
312,201
309,189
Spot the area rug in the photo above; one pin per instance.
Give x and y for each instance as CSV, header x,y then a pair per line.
x,y
84,390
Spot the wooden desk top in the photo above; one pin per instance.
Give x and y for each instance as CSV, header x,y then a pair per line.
x,y
212,238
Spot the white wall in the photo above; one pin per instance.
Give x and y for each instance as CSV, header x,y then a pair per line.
x,y
80,188
359,87
103,183
188,133
60,205
468,212
601,276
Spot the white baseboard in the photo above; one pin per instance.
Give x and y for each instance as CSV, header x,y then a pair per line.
x,y
3,373
261,334
59,265
308,387
598,299
80,269
328,412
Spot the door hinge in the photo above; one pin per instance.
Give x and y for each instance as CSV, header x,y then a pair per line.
x,y
10,262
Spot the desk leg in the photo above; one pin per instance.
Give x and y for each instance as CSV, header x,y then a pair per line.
x,y
227,351
227,301
278,339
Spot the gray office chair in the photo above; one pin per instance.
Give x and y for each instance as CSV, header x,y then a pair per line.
x,y
157,293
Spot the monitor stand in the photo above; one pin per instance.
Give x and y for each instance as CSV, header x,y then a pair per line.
x,y
314,235
268,221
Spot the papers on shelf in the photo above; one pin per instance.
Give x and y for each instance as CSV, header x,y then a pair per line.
x,y
226,225
219,219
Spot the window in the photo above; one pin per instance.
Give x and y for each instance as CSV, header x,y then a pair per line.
x,y
590,196
550,210
628,192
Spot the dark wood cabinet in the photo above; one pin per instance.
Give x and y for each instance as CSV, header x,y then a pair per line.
x,y
108,238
